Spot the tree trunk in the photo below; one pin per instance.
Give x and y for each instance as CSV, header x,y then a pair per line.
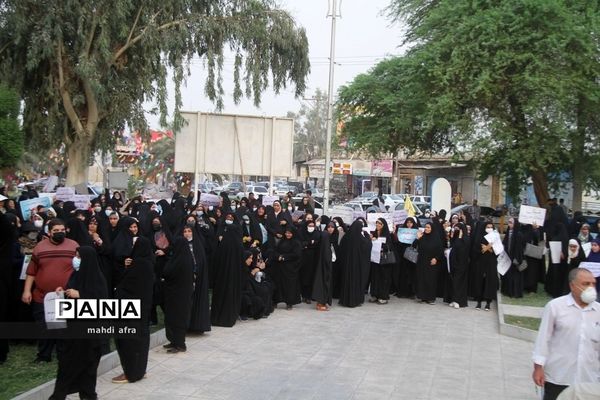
x,y
578,168
540,187
79,154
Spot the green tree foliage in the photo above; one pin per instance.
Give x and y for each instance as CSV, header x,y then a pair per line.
x,y
85,69
310,125
11,136
511,85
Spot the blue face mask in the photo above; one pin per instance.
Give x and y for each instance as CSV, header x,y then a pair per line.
x,y
76,263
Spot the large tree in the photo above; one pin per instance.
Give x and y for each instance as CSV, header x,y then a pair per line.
x,y
84,69
11,136
310,127
511,85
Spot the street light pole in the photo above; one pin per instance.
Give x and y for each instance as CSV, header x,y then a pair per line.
x,y
334,15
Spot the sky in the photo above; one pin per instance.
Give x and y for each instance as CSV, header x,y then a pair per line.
x,y
364,36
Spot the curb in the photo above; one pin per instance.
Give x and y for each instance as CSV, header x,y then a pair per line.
x,y
511,330
107,362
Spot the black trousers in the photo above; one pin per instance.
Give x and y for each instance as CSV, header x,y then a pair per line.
x,y
551,391
45,346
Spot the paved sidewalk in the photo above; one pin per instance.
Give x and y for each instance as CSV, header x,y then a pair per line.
x,y
402,350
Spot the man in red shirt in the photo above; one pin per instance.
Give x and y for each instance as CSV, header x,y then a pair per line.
x,y
50,267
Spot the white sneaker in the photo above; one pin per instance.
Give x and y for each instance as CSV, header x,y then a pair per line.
x,y
453,304
456,306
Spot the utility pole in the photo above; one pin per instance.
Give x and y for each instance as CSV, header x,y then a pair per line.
x,y
333,13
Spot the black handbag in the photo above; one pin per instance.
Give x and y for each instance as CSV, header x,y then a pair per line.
x,y
387,257
411,254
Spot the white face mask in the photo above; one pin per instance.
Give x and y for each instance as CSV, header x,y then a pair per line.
x,y
489,230
97,209
38,224
76,263
448,229
310,229
588,296
108,212
247,222
228,221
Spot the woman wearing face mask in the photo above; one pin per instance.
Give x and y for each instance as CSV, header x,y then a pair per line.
x,y
594,257
79,358
431,252
284,265
310,238
226,297
251,232
459,265
512,280
136,282
260,216
277,222
486,275
178,277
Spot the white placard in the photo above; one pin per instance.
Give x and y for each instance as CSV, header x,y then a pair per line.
x,y
504,263
346,214
26,260
531,215
376,251
407,235
269,200
447,255
400,216
587,248
82,201
65,193
493,238
372,217
555,250
49,313
593,267
208,199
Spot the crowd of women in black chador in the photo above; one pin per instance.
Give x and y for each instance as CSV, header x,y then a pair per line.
x,y
253,257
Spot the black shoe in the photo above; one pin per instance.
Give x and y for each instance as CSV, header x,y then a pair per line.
x,y
289,307
243,318
39,360
177,349
168,346
478,306
487,306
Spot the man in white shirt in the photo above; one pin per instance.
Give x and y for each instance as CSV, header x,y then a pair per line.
x,y
567,349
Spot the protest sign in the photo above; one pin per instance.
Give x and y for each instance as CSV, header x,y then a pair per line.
x,y
555,251
532,215
406,235
26,260
208,199
376,251
345,213
493,238
372,217
82,201
269,200
504,263
50,313
593,267
65,193
400,216
587,248
28,205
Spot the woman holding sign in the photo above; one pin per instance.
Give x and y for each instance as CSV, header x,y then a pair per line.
x,y
381,272
486,269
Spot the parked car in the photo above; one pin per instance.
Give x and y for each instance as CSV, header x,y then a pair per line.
x,y
233,188
420,199
257,190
